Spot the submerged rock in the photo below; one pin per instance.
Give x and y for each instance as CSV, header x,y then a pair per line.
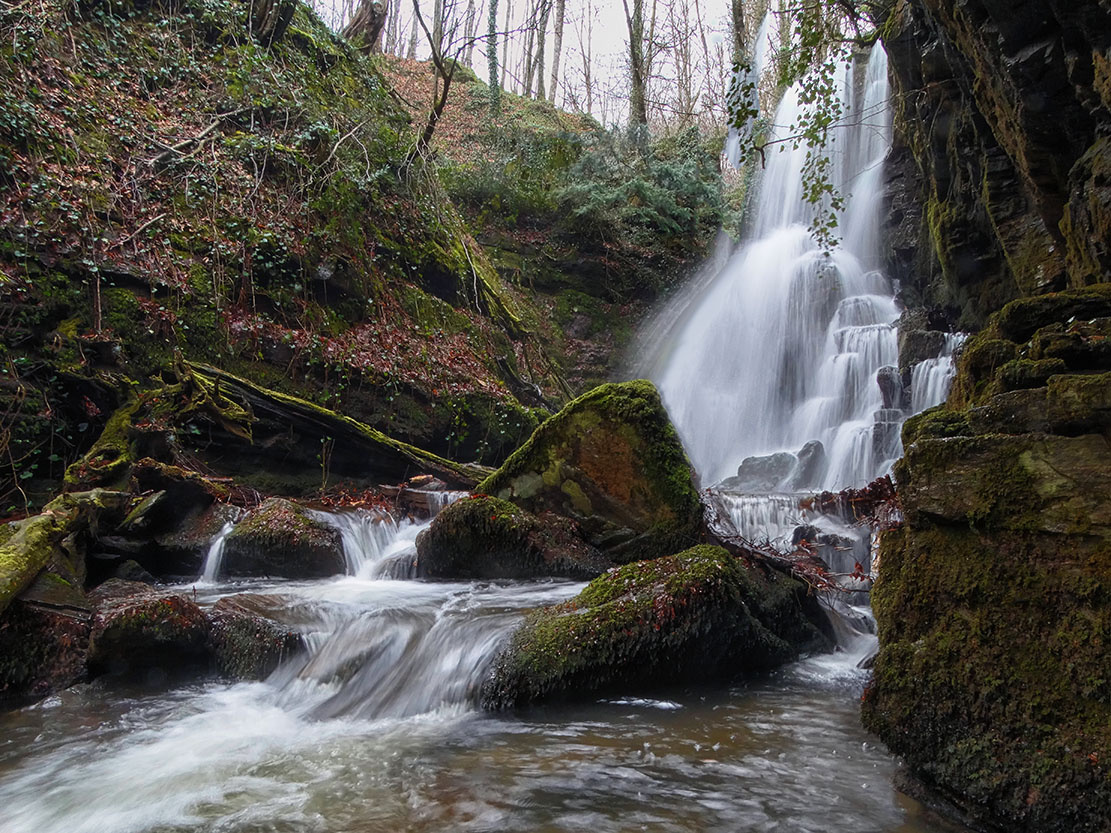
x,y
245,643
484,537
696,616
280,538
136,627
612,462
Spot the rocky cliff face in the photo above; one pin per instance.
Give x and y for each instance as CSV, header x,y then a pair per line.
x,y
1000,166
994,600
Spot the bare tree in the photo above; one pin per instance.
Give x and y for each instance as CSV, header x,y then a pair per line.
x,y
270,18
365,26
638,65
557,48
448,44
414,35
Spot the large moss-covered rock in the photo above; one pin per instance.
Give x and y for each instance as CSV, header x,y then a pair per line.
x,y
136,627
994,599
612,461
484,537
245,643
699,615
280,538
992,678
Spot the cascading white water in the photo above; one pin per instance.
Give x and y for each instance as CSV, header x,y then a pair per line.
x,y
214,556
784,347
930,379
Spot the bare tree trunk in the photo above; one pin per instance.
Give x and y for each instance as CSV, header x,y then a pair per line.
x,y
438,24
544,10
638,103
505,42
557,48
365,27
740,36
492,57
584,32
528,65
470,29
412,53
270,18
393,29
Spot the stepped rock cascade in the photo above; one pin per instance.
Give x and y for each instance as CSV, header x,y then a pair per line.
x,y
784,346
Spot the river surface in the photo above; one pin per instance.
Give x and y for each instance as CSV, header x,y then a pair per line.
x,y
376,729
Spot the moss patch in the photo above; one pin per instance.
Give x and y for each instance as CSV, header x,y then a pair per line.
x,y
612,460
699,615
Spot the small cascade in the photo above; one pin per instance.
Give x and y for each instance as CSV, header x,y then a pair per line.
x,y
930,379
214,557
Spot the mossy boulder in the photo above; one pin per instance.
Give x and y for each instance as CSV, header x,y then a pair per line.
x,y
280,538
992,677
993,601
484,537
612,461
1027,482
136,627
700,615
245,643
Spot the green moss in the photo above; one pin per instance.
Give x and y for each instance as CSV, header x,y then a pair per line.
x,y
484,537
108,462
934,423
991,678
697,615
617,445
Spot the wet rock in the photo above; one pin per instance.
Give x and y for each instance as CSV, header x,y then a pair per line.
x,y
245,643
484,537
181,551
990,681
761,474
43,649
136,627
890,382
280,538
810,468
699,615
915,346
131,570
612,462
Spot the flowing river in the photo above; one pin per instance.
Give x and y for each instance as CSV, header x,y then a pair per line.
x,y
376,729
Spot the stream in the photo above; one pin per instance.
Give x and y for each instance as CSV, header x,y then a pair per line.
x,y
377,730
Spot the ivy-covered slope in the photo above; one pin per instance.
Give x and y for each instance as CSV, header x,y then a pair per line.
x,y
171,185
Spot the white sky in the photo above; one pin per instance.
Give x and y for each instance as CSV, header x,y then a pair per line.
x,y
608,45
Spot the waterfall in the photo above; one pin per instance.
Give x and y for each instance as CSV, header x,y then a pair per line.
x,y
783,348
214,556
930,379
